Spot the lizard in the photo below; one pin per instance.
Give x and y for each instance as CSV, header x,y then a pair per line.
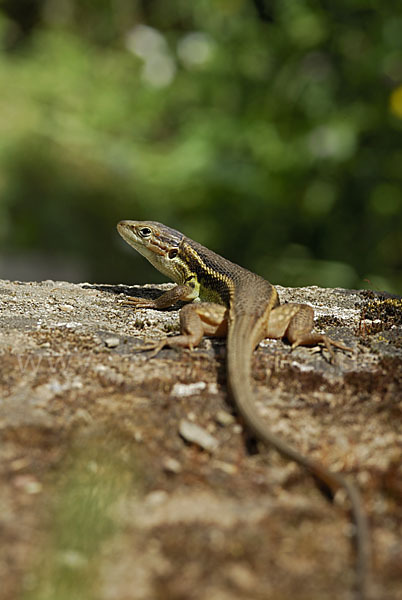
x,y
224,299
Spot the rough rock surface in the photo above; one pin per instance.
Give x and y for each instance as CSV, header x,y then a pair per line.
x,y
129,477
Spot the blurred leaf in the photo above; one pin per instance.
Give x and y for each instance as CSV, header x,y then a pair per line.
x,y
249,136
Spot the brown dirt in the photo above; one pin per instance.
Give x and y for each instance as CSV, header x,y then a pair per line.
x,y
101,498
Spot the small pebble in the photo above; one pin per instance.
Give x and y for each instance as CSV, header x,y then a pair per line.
x,y
66,307
189,389
197,435
225,467
28,483
112,342
224,418
156,498
171,465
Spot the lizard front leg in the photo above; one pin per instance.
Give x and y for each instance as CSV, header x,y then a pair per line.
x,y
295,322
196,320
166,300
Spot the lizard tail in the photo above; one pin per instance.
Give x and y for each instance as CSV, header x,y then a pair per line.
x,y
243,335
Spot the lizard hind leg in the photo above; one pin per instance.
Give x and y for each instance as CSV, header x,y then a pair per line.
x,y
299,332
295,322
196,320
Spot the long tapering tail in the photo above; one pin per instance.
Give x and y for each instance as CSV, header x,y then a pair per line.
x,y
243,335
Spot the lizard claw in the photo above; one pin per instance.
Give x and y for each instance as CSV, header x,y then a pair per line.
x,y
134,302
154,347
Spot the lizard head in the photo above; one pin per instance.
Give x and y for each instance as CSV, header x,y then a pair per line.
x,y
158,243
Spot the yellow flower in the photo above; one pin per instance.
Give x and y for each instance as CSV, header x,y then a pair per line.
x,y
396,102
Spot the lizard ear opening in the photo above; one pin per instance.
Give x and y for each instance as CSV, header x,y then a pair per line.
x,y
173,253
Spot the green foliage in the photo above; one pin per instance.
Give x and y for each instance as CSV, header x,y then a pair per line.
x,y
277,145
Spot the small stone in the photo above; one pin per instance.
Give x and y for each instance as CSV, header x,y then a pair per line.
x,y
190,389
28,483
224,418
241,577
112,342
138,436
19,463
156,498
195,434
212,388
171,465
66,307
225,467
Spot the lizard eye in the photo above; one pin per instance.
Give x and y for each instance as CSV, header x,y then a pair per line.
x,y
145,232
173,253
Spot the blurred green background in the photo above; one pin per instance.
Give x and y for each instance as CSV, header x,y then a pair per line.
x,y
276,143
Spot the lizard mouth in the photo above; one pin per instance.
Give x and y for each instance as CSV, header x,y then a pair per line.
x,y
153,245
127,231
